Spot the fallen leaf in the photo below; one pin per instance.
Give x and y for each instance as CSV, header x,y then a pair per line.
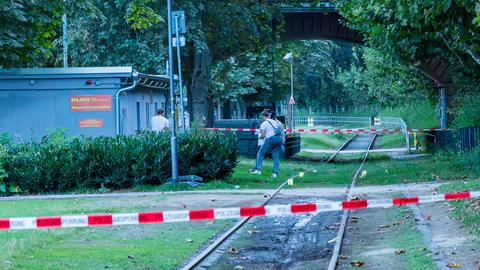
x,y
428,217
233,250
399,251
332,240
454,265
131,257
357,263
343,257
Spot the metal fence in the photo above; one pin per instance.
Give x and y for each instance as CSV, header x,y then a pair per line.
x,y
353,122
469,137
393,122
334,121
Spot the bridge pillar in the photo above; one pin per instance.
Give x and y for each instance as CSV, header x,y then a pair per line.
x,y
442,92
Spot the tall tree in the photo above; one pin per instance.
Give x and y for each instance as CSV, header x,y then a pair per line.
x,y
419,30
28,30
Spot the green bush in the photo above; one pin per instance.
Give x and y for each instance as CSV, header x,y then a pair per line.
x,y
466,160
468,112
58,164
3,173
420,114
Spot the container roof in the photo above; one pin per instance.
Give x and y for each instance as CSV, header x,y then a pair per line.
x,y
73,72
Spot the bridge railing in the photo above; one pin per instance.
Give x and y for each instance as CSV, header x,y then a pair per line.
x,y
331,121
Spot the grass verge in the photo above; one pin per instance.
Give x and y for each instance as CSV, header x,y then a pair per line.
x,y
466,211
402,235
326,141
390,141
162,246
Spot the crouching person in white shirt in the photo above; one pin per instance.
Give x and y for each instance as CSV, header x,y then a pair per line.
x,y
270,130
159,123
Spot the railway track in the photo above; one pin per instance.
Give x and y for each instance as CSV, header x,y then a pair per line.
x,y
343,225
351,143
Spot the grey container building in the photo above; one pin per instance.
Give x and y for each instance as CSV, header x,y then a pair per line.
x,y
90,101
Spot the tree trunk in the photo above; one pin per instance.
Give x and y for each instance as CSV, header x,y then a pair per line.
x,y
201,104
219,110
242,110
226,112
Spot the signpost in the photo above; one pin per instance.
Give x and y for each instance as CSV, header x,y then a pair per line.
x,y
176,22
179,17
173,141
289,57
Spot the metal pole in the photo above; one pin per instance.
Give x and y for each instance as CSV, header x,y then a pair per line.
x,y
65,46
291,93
443,107
180,87
173,143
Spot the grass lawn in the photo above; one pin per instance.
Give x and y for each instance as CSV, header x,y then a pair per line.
x,y
326,175
403,236
416,170
391,141
467,211
379,171
324,141
124,247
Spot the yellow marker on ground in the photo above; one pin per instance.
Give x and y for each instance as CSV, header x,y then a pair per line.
x,y
301,174
290,181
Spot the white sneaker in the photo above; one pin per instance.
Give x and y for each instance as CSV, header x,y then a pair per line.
x,y
256,172
274,175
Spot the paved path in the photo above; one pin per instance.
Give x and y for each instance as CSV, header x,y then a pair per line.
x,y
316,192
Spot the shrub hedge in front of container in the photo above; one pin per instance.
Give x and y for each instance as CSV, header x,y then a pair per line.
x,y
64,164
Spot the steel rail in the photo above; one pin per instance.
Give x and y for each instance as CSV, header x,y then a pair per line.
x,y
220,240
332,265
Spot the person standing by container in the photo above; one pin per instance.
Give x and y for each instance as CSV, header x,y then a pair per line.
x,y
159,123
273,116
269,130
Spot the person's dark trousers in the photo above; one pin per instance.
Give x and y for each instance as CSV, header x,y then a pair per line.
x,y
274,144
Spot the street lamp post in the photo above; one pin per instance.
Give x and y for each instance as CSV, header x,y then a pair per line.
x,y
289,57
173,142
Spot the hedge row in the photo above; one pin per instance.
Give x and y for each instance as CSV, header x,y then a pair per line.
x,y
57,164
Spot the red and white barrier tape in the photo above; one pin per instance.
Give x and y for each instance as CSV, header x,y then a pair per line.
x,y
220,213
336,131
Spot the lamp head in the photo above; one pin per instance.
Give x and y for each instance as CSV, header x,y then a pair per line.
x,y
288,57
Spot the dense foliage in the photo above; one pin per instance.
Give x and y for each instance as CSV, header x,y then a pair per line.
x,y
414,32
234,50
57,164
